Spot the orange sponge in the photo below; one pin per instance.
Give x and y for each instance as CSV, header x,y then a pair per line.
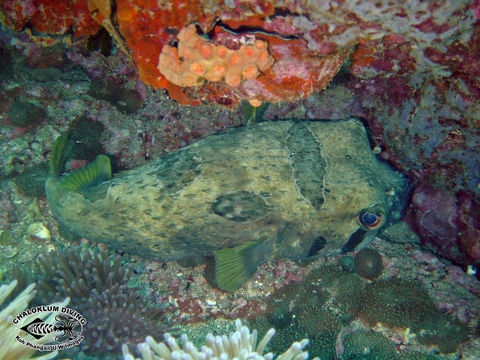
x,y
196,59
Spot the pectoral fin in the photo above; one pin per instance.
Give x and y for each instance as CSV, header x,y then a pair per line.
x,y
234,266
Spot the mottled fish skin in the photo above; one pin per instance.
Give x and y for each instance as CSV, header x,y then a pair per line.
x,y
288,183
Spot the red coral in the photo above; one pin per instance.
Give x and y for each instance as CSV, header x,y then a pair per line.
x,y
49,16
462,60
147,28
302,65
430,25
448,223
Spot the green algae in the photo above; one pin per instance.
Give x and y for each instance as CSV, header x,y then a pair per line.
x,y
368,345
31,181
125,99
25,114
329,299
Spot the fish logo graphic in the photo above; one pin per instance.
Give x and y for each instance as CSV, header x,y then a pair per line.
x,y
38,322
69,327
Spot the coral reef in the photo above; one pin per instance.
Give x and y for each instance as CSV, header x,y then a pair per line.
x,y
52,17
346,288
76,273
118,316
241,344
10,348
298,309
31,181
410,69
195,60
279,83
308,43
301,65
398,303
426,126
367,345
405,304
345,316
97,286
25,114
368,263
411,72
448,223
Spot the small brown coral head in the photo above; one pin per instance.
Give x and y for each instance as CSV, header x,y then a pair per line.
x,y
368,263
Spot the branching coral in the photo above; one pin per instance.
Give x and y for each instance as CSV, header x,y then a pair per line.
x,y
241,344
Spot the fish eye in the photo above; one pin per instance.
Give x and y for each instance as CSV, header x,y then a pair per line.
x,y
370,219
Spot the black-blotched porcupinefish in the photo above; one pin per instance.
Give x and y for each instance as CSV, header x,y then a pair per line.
x,y
284,189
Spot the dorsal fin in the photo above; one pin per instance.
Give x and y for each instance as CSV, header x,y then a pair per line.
x,y
253,114
59,154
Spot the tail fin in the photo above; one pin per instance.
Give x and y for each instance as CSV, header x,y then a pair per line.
x,y
92,174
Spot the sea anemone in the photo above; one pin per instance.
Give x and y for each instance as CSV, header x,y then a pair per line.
x,y
97,286
117,316
75,273
241,344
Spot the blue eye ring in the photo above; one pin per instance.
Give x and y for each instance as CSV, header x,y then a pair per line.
x,y
370,219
